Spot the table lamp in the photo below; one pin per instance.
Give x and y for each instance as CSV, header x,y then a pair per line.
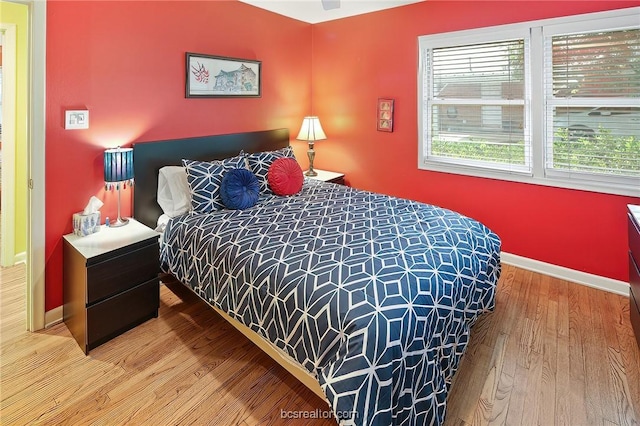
x,y
311,131
118,171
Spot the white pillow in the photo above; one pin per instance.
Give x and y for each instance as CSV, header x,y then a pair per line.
x,y
174,196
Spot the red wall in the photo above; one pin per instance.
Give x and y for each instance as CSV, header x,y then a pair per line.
x,y
125,63
359,59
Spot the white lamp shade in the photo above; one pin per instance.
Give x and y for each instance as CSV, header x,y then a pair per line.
x,y
311,130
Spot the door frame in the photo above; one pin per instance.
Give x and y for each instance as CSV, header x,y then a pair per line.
x,y
36,261
36,207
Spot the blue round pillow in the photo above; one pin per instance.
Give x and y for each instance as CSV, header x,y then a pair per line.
x,y
239,189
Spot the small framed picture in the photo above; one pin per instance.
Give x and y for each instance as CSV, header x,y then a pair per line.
x,y
385,115
211,76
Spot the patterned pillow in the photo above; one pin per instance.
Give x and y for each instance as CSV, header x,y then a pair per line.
x,y
239,189
260,162
205,177
285,176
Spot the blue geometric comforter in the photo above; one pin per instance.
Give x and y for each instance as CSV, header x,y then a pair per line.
x,y
374,295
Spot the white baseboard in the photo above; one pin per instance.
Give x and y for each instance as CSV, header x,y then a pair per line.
x,y
53,317
578,277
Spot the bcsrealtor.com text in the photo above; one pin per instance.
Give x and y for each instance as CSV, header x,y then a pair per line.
x,y
315,414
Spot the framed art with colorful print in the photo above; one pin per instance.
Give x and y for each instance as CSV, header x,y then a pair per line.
x,y
211,76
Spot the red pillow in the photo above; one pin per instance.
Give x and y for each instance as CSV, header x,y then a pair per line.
x,y
285,176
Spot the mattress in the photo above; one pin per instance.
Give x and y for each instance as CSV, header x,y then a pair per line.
x,y
373,295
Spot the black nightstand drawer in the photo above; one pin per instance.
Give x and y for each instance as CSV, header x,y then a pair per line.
x,y
122,312
122,272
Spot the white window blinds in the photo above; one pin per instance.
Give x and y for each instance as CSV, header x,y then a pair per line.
x,y
476,105
592,86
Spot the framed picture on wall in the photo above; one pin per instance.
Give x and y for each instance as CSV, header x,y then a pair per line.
x,y
385,115
211,76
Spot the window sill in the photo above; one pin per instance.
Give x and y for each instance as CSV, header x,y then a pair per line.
x,y
577,181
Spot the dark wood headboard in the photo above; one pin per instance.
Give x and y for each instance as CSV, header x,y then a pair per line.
x,y
149,157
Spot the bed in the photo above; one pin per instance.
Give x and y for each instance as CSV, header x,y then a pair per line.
x,y
367,299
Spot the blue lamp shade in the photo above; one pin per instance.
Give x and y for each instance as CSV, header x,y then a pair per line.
x,y
118,172
118,165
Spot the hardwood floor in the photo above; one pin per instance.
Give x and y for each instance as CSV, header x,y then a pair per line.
x,y
552,352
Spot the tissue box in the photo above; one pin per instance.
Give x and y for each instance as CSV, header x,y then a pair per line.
x,y
86,224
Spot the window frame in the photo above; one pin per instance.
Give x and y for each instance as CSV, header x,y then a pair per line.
x,y
535,101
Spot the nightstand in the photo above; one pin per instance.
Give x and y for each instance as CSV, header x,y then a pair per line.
x,y
110,282
327,176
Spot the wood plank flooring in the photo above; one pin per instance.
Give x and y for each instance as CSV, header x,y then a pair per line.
x,y
552,352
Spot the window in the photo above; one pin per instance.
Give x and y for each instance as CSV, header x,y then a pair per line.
x,y
476,109
553,102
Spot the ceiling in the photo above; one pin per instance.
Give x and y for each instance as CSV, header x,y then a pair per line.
x,y
311,11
